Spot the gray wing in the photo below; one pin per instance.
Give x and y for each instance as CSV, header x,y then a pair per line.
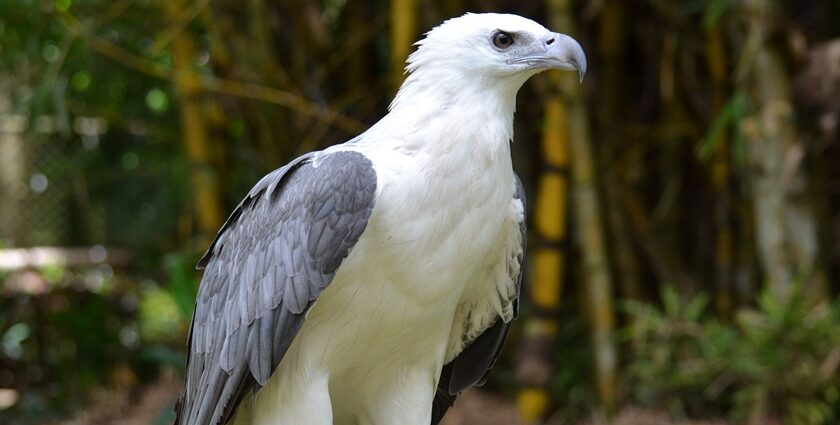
x,y
277,251
472,366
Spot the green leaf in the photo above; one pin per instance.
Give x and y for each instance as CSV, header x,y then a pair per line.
x,y
714,11
730,115
696,307
62,5
772,305
671,301
739,145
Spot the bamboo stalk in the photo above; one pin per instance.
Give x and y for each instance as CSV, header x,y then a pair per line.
x,y
587,208
403,28
720,177
670,151
207,198
534,365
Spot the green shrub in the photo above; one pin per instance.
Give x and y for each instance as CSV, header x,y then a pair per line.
x,y
777,360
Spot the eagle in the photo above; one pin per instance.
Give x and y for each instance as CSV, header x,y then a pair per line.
x,y
372,282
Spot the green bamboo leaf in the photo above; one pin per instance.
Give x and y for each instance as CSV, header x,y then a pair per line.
x,y
730,115
714,12
772,306
696,307
671,301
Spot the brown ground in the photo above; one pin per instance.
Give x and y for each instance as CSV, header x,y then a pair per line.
x,y
637,416
476,407
119,407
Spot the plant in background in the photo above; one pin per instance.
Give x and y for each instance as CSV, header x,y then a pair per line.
x,y
675,353
159,318
570,385
778,360
786,360
165,312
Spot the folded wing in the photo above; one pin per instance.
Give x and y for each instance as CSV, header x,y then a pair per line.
x,y
272,258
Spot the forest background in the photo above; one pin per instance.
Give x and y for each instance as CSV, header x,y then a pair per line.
x,y
684,201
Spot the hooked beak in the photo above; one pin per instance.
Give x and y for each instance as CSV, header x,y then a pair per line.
x,y
559,52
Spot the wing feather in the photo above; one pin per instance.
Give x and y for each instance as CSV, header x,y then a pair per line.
x,y
277,251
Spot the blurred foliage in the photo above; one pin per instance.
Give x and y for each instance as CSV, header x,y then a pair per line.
x,y
83,329
109,129
780,359
100,135
572,386
159,316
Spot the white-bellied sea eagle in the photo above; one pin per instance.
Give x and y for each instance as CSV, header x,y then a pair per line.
x,y
373,281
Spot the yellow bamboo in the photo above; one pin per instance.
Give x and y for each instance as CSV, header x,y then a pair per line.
x,y
403,28
551,207
598,286
207,200
548,259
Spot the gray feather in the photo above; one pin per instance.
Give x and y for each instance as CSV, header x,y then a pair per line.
x,y
277,251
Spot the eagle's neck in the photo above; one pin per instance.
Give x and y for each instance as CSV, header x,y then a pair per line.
x,y
439,112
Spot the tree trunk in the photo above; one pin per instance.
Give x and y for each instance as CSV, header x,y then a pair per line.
x,y
786,227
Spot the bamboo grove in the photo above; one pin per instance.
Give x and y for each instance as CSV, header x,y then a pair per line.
x,y
683,200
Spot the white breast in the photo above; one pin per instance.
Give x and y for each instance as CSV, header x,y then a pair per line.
x,y
424,275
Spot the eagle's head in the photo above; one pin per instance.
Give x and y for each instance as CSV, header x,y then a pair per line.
x,y
464,76
488,50
496,45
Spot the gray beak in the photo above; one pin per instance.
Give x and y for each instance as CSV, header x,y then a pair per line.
x,y
564,52
558,51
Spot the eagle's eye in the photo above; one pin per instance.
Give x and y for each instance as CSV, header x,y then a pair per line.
x,y
502,40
